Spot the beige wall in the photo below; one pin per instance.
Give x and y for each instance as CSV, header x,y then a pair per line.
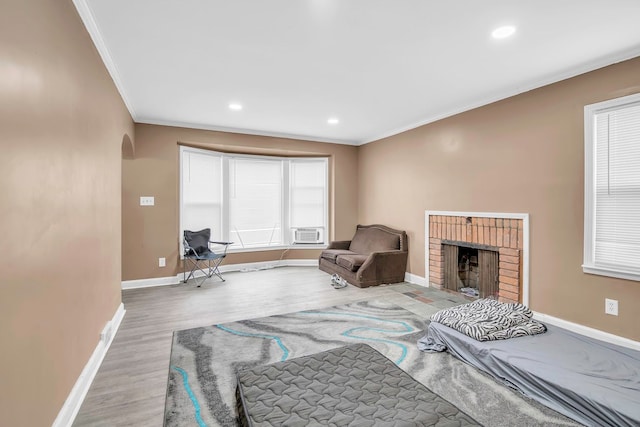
x,y
523,154
152,232
62,123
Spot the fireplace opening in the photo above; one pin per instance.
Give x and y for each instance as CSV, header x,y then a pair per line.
x,y
499,246
472,271
468,271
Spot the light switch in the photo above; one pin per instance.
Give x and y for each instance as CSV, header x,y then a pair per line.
x,y
147,201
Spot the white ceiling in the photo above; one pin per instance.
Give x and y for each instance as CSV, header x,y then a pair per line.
x,y
380,66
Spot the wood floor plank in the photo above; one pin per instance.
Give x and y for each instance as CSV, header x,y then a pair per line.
x,y
129,389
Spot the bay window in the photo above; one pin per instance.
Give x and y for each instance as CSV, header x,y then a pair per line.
x,y
257,202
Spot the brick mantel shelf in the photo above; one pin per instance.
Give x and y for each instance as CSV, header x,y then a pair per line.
x,y
507,233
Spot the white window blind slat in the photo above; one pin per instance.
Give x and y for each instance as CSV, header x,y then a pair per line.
x,y
255,202
308,200
202,193
616,218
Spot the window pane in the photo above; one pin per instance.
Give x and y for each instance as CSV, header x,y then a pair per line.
x,y
201,193
255,202
255,199
308,193
617,182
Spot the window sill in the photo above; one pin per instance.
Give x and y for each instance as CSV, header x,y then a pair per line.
x,y
276,248
611,272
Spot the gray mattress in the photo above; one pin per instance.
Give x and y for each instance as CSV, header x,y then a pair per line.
x,y
353,385
591,381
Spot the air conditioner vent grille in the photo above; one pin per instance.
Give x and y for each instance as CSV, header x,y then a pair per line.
x,y
307,235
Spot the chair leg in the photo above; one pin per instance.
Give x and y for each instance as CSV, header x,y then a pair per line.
x,y
215,270
194,266
184,270
210,269
197,266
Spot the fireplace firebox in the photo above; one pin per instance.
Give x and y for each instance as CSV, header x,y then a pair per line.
x,y
479,254
471,270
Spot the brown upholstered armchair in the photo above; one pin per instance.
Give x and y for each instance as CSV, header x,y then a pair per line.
x,y
377,254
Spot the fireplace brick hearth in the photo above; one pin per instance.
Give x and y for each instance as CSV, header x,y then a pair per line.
x,y
503,235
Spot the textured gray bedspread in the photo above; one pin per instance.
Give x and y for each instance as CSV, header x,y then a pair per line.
x,y
591,381
353,385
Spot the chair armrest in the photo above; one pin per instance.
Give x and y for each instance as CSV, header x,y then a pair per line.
x,y
220,252
384,264
339,244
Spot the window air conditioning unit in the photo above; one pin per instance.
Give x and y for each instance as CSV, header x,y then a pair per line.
x,y
307,235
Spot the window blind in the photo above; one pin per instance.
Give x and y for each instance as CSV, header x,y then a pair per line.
x,y
202,193
255,202
308,193
616,237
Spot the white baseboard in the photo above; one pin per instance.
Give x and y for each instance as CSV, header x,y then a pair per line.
x,y
415,279
248,266
71,406
266,265
146,283
299,263
587,331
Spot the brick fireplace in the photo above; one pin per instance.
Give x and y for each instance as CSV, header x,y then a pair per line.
x,y
502,239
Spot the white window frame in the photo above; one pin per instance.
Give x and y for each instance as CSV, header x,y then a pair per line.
x,y
589,265
286,188
325,213
181,194
226,207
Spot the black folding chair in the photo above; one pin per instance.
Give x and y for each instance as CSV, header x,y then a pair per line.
x,y
202,254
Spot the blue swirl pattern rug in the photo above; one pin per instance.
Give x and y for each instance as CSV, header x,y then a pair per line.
x,y
201,384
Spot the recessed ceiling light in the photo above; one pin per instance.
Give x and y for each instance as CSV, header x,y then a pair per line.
x,y
503,32
235,107
333,121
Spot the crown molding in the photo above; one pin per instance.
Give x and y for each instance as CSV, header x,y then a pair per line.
x,y
517,90
87,17
179,124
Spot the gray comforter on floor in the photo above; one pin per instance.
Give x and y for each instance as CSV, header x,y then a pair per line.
x,y
594,382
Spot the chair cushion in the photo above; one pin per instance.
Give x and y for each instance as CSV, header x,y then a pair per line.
x,y
351,262
198,240
331,254
373,239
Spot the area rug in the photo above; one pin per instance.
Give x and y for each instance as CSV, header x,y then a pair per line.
x,y
201,384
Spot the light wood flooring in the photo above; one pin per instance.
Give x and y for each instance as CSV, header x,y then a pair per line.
x,y
129,389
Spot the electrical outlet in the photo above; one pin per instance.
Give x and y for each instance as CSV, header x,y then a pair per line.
x,y
162,262
611,306
147,201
